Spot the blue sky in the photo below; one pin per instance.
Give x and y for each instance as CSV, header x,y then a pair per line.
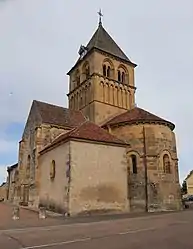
x,y
39,42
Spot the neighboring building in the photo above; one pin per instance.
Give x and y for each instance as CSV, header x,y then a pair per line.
x,y
12,182
3,191
123,159
189,183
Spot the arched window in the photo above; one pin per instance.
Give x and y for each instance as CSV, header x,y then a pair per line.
x,y
108,71
119,76
134,164
166,164
123,77
28,166
77,77
86,70
52,170
122,74
104,70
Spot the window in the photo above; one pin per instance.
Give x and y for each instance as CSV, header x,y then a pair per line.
x,y
122,74
119,76
87,72
166,164
52,170
123,77
28,166
77,77
134,164
104,70
108,71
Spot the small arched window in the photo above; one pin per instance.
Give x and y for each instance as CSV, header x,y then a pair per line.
x,y
77,77
166,164
104,70
119,76
52,170
123,77
28,166
108,71
87,72
134,164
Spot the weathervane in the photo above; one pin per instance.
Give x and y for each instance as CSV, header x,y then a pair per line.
x,y
100,17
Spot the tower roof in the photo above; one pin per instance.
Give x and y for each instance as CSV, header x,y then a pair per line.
x,y
103,41
138,115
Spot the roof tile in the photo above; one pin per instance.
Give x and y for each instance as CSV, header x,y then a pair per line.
x,y
88,131
137,115
57,115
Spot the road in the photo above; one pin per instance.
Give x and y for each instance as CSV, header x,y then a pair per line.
x,y
172,230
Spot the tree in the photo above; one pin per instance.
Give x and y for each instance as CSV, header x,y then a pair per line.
x,y
184,188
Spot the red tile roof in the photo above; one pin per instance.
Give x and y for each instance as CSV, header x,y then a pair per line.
x,y
58,115
138,115
87,131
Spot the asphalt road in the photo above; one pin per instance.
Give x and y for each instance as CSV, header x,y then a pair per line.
x,y
173,231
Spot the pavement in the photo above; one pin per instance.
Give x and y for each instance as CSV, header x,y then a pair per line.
x,y
168,230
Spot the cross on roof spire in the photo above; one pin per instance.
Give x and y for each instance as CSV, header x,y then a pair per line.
x,y
100,17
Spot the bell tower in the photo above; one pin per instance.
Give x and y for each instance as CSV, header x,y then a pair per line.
x,y
101,82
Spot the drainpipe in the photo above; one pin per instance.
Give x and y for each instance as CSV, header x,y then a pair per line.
x,y
69,180
145,167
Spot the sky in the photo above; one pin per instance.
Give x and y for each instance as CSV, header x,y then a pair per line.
x,y
39,42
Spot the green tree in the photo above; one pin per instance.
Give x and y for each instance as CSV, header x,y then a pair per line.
x,y
184,188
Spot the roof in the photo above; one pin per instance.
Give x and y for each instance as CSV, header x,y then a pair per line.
x,y
87,131
189,175
12,167
57,115
103,41
137,115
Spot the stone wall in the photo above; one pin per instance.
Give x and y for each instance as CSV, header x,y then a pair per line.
x,y
163,188
3,191
100,97
98,178
54,166
34,140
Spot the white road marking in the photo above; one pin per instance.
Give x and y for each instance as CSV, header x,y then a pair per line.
x,y
138,231
57,243
48,228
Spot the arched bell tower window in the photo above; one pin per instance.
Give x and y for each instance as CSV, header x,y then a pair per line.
x,y
123,77
108,71
77,77
86,70
119,76
122,74
104,70
108,68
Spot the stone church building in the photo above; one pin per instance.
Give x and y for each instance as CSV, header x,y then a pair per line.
x,y
102,154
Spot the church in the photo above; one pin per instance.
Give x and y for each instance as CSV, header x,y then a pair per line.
x,y
102,154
